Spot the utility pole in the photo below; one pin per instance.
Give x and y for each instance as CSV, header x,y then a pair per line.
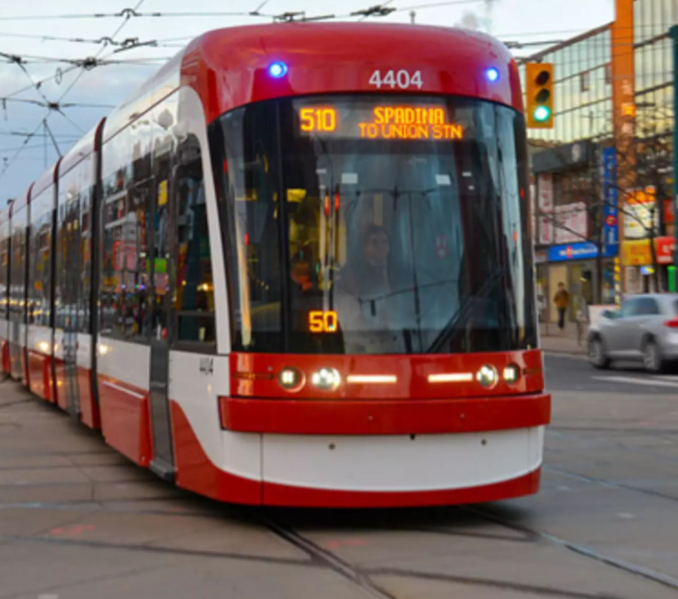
x,y
674,36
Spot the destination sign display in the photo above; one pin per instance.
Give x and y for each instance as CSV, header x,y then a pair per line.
x,y
406,121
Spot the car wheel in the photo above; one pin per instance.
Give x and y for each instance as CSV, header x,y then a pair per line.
x,y
597,356
652,359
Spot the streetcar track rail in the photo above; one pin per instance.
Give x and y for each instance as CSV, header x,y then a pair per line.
x,y
616,445
326,558
648,573
608,483
145,547
362,576
492,583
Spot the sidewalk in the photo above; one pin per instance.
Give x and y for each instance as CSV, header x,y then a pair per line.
x,y
565,342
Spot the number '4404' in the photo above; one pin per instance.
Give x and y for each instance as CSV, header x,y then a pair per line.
x,y
401,79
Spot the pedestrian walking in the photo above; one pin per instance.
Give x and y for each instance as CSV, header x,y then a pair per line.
x,y
562,301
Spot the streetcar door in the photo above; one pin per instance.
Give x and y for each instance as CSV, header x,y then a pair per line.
x,y
70,286
162,316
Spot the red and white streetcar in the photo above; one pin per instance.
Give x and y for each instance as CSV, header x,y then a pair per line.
x,y
295,268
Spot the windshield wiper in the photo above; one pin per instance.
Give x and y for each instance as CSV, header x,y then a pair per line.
x,y
447,333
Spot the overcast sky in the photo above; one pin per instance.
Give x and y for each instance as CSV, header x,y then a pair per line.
x,y
509,20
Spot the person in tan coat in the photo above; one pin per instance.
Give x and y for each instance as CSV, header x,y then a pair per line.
x,y
562,300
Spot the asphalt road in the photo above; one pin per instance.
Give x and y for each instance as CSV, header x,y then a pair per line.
x,y
574,373
78,521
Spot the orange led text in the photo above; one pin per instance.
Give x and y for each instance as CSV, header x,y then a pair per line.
x,y
406,122
318,119
321,321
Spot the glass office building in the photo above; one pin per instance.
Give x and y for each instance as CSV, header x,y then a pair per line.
x,y
582,88
565,174
604,78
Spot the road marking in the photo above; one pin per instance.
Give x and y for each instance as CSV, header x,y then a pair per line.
x,y
653,381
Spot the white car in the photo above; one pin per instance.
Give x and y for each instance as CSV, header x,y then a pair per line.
x,y
645,328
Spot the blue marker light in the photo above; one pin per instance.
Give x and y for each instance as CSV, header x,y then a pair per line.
x,y
277,69
492,74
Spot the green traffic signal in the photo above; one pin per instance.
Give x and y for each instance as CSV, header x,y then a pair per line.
x,y
541,113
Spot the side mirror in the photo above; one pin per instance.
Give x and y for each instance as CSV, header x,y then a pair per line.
x,y
611,314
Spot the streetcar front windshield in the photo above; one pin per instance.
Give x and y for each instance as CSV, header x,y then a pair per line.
x,y
376,225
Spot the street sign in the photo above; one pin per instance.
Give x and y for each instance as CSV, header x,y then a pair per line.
x,y
610,224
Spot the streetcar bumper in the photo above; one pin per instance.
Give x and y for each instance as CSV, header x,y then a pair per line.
x,y
370,454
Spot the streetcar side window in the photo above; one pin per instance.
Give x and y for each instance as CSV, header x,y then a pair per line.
x,y
18,265
40,245
73,250
126,211
4,267
68,259
84,170
194,297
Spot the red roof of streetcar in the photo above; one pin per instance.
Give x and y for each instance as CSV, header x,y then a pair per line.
x,y
229,67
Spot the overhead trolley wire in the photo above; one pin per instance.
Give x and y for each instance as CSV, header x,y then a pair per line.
x,y
55,106
129,13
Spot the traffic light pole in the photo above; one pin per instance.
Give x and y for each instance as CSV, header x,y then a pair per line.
x,y
674,37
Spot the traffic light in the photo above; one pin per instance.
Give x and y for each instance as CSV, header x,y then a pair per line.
x,y
539,90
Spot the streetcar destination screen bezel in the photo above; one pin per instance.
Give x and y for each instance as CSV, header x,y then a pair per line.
x,y
367,119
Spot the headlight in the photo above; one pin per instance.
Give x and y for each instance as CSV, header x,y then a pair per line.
x,y
327,379
487,376
291,379
511,373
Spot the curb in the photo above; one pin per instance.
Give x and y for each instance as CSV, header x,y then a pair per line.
x,y
565,354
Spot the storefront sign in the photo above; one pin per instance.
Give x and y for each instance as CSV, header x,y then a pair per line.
x,y
571,223
610,217
638,212
665,249
637,253
576,251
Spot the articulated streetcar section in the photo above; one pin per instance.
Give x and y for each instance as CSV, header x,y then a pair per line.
x,y
295,276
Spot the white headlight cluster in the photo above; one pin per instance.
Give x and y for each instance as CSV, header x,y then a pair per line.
x,y
511,373
291,379
487,376
327,379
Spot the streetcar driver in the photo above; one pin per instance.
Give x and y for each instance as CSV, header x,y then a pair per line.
x,y
365,300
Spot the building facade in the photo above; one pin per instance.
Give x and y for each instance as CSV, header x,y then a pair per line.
x,y
570,245
653,160
602,178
